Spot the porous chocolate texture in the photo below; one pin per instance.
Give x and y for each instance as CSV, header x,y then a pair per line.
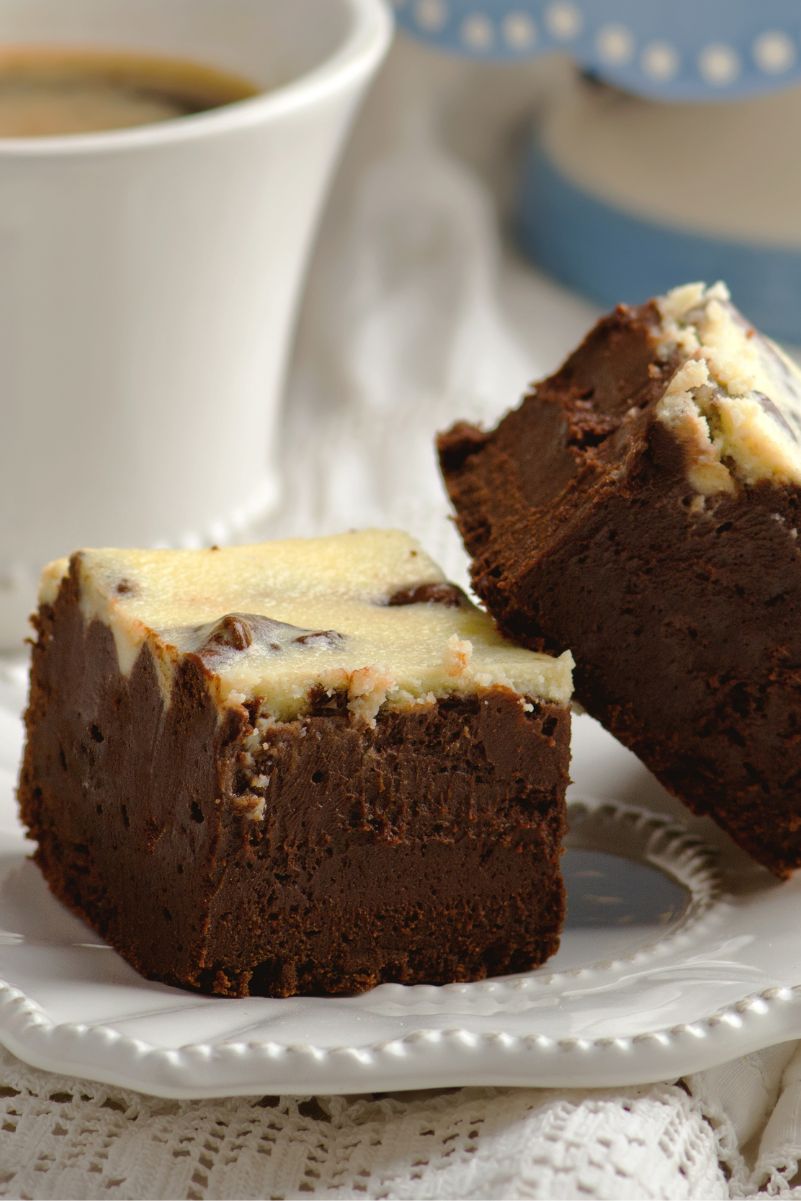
x,y
422,847
660,544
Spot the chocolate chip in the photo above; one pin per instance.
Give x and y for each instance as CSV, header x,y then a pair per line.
x,y
240,631
327,638
232,632
279,635
429,594
125,587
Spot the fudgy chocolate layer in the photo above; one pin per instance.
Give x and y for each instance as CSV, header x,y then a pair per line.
x,y
683,613
426,849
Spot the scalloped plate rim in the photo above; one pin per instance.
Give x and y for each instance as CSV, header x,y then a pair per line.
x,y
430,1056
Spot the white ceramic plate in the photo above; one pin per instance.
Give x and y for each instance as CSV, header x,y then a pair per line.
x,y
678,954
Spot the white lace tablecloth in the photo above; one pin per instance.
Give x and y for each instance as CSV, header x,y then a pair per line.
x,y
415,315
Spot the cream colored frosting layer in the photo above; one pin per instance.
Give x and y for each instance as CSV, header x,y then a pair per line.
x,y
735,399
278,620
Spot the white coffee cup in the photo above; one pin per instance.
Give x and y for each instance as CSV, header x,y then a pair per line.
x,y
149,279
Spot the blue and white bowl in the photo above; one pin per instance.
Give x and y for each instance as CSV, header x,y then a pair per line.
x,y
626,195
685,50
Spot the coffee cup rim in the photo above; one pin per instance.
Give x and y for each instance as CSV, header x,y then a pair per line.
x,y
360,50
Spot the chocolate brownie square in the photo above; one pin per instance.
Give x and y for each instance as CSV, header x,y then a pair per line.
x,y
642,508
301,767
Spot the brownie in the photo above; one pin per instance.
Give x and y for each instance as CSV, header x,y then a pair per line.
x,y
301,767
641,506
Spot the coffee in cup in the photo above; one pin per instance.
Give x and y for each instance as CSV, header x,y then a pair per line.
x,y
55,91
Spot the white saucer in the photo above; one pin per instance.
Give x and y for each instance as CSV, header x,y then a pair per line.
x,y
679,954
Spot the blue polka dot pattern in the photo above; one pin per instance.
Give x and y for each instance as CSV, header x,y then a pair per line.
x,y
685,50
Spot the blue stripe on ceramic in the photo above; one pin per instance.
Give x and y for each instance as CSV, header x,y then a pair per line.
x,y
685,50
611,255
